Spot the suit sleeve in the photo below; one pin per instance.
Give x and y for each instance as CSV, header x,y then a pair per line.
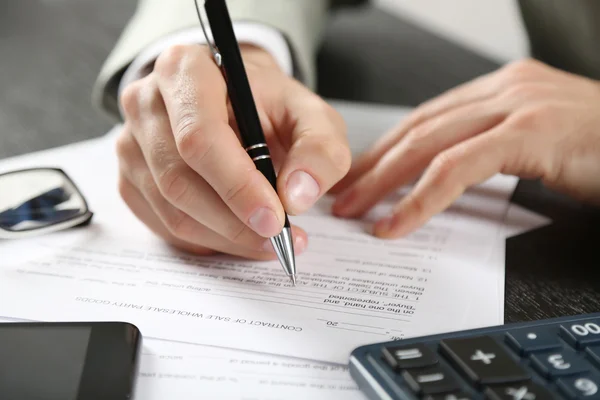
x,y
301,23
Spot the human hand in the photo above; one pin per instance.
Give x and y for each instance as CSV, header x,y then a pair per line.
x,y
526,119
186,175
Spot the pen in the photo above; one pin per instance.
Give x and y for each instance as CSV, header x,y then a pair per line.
x,y
226,53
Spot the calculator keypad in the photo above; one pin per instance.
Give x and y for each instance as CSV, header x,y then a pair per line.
x,y
593,354
581,334
581,387
519,391
450,396
432,380
483,360
545,361
404,357
531,340
559,363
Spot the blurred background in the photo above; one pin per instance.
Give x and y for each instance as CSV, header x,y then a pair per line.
x,y
52,51
490,28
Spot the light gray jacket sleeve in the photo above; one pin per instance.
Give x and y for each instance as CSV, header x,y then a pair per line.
x,y
301,22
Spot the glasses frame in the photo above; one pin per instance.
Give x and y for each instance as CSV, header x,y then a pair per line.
x,y
80,220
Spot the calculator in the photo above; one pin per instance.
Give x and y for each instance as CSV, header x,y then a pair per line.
x,y
555,358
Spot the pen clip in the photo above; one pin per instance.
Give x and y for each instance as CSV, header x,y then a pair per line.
x,y
213,49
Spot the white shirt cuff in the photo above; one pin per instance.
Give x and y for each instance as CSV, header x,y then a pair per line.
x,y
246,32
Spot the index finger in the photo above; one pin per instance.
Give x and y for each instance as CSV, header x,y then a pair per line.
x,y
446,179
195,96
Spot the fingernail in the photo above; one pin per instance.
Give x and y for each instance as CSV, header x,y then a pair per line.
x,y
383,226
302,190
265,222
268,246
299,244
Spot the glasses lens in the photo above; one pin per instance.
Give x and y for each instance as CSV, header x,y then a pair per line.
x,y
36,199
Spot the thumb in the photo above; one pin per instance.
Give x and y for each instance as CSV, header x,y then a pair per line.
x,y
318,155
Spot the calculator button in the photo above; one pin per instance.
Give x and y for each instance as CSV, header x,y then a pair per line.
x,y
582,334
413,356
431,380
450,396
559,363
527,341
581,387
593,353
483,360
519,391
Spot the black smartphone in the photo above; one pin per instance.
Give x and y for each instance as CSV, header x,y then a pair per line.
x,y
68,361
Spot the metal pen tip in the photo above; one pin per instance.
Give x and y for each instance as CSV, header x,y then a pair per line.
x,y
293,279
284,248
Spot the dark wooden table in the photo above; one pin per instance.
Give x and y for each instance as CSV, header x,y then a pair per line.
x,y
52,51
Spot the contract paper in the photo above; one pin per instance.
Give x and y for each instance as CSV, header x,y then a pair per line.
x,y
185,371
353,289
189,372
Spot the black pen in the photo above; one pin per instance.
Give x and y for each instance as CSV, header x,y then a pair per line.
x,y
226,53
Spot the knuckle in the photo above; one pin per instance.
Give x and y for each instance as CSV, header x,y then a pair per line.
x,y
443,165
333,115
123,145
521,70
130,99
191,143
149,98
417,205
169,61
533,119
335,153
523,90
317,106
172,184
148,185
418,137
340,156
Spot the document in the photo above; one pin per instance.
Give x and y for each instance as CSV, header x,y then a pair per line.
x,y
352,289
191,371
173,370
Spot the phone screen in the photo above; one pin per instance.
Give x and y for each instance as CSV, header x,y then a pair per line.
x,y
42,362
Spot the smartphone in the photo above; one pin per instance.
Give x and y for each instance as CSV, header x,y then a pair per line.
x,y
68,361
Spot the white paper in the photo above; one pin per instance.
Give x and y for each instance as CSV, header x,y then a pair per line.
x,y
353,289
173,370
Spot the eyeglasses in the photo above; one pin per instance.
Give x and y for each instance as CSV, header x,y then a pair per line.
x,y
38,201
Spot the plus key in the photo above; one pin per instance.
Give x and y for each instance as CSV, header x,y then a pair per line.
x,y
483,360
486,358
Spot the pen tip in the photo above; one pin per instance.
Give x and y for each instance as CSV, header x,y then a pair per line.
x,y
284,248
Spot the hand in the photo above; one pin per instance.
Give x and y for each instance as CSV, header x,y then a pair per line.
x,y
526,119
186,175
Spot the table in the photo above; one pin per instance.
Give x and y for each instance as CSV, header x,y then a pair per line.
x,y
53,51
